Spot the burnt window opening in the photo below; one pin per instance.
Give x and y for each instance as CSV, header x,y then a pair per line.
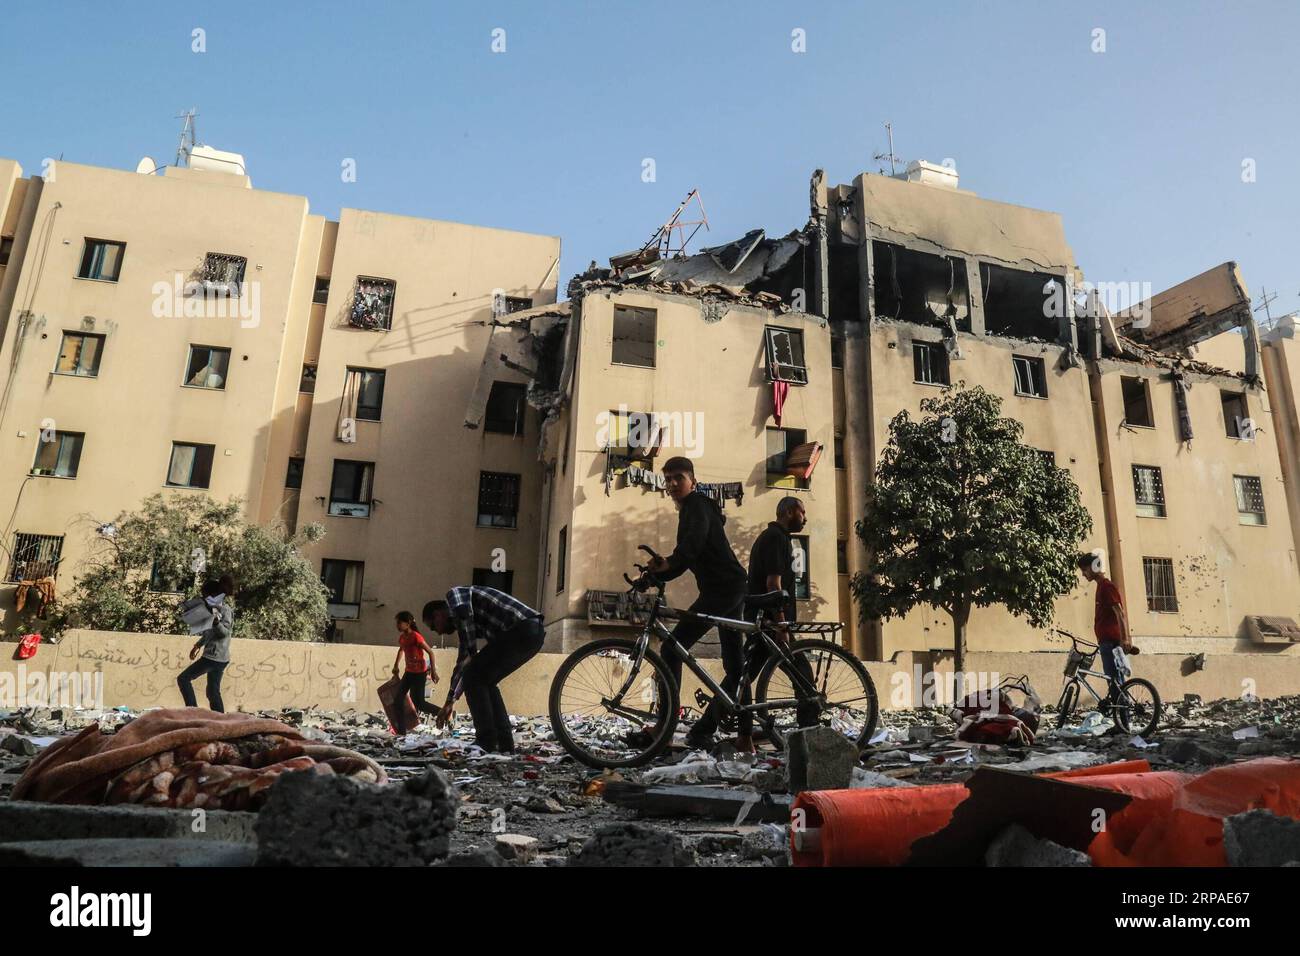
x,y
1020,304
837,351
1031,376
842,289
503,304
1137,402
929,363
1236,416
222,273
920,287
372,303
505,409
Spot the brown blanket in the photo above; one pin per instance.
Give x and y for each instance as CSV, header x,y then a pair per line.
x,y
85,769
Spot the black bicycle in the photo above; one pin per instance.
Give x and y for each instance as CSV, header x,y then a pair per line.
x,y
614,703
1134,705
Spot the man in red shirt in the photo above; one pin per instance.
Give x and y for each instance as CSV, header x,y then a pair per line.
x,y
1110,623
413,646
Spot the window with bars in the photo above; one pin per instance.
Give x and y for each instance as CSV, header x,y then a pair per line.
x,y
929,363
343,578
207,367
1250,499
634,336
1149,491
372,303
508,304
60,456
222,272
1161,594
102,260
34,556
190,465
505,409
1048,457
351,489
502,581
1031,376
785,359
79,354
498,500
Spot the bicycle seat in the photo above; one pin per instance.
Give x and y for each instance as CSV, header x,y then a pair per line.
x,y
766,602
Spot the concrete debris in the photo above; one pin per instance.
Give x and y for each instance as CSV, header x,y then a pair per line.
x,y
120,851
633,844
1261,838
28,820
820,759
516,847
870,779
1016,846
474,857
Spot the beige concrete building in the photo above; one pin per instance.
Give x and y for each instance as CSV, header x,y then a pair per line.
x,y
185,332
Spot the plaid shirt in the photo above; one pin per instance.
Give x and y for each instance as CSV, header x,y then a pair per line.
x,y
480,613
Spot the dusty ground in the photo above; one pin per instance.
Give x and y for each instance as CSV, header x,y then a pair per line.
x,y
542,793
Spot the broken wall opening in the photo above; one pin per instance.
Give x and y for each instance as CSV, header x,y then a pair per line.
x,y
920,287
842,289
1022,305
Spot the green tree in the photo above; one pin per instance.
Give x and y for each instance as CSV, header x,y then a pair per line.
x,y
963,514
174,542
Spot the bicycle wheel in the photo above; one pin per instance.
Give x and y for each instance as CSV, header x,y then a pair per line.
x,y
846,697
1138,709
1065,707
584,718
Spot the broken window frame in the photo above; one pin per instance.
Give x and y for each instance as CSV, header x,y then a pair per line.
x,y
1232,423
494,418
498,499
1249,492
43,550
994,276
929,358
1035,375
1161,587
1149,491
352,488
793,372
1129,400
890,263
344,601
223,273
373,299
630,315
778,474
76,364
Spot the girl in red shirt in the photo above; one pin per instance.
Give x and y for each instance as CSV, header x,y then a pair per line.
x,y
413,646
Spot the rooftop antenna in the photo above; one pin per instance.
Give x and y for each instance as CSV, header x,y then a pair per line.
x,y
889,130
1266,298
675,229
187,137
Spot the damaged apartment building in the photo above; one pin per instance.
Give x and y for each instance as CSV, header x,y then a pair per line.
x,y
776,364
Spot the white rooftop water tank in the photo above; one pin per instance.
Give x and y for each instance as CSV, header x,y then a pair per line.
x,y
217,160
932,174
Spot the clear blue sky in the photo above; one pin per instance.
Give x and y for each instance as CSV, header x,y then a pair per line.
x,y
1140,148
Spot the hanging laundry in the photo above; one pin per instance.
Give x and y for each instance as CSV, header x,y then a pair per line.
x,y
779,392
722,491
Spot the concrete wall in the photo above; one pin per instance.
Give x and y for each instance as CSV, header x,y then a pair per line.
x,y
139,671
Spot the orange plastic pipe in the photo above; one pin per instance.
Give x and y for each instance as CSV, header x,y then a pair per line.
x,y
877,827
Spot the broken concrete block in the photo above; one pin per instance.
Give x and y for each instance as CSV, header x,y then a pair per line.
x,y
15,744
28,820
769,842
1016,846
820,758
516,847
1261,838
632,844
870,780
177,851
1189,750
920,733
714,843
328,820
476,857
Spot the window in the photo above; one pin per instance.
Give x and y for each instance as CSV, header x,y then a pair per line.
x,y
1250,499
34,556
343,578
1159,574
799,558
1031,376
372,303
1048,457
320,295
929,363
59,456
223,273
785,361
1137,402
165,579
841,557
102,260
6,249
207,367
498,500
837,351
500,580
1149,490
634,336
634,435
308,381
293,476
505,408
506,304
564,558
1236,416
191,465
791,458
351,488
363,390
79,354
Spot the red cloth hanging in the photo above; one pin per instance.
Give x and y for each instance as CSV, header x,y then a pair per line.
x,y
779,391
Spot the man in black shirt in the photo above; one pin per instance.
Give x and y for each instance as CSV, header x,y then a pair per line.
x,y
703,549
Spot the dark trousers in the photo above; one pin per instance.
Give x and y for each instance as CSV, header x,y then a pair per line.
x,y
719,604
413,684
214,670
501,657
756,653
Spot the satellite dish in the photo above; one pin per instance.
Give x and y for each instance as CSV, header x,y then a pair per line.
x,y
146,166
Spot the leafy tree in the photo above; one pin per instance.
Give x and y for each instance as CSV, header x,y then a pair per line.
x,y
175,542
962,514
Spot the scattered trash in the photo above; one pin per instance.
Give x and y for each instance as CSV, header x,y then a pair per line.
x,y
1245,733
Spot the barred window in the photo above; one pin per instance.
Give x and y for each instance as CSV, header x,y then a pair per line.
x,y
223,273
498,500
34,556
1149,491
372,303
1159,574
1250,499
